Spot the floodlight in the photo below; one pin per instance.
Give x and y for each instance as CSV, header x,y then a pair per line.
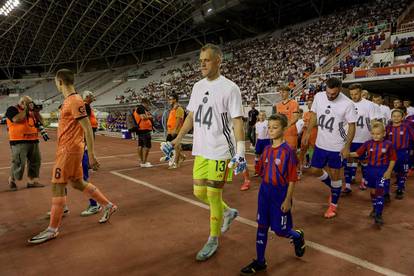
x,y
9,6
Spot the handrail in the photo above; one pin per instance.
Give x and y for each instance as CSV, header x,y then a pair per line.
x,y
336,58
405,13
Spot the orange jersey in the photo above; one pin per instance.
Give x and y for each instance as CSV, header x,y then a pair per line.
x,y
70,132
175,113
289,109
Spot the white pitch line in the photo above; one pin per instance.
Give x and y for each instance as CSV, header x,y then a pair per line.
x,y
100,157
338,254
155,165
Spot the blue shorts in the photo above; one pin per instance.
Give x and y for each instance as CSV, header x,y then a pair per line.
x,y
269,211
321,158
373,176
402,163
261,144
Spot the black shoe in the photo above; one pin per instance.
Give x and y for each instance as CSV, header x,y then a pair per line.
x,y
35,185
252,268
399,194
372,214
387,198
12,185
299,244
378,220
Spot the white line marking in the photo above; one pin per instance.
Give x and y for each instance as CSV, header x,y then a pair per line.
x,y
156,165
349,258
99,158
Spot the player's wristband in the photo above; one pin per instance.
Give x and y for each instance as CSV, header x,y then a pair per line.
x,y
241,148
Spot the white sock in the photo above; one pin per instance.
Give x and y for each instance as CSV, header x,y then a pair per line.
x,y
213,239
51,229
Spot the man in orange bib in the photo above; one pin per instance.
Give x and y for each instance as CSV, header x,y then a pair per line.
x,y
290,108
144,121
74,127
22,122
174,123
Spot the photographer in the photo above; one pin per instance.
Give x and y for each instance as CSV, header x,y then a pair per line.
x,y
24,122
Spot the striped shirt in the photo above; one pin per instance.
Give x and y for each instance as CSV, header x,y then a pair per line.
x,y
410,121
379,153
278,165
400,136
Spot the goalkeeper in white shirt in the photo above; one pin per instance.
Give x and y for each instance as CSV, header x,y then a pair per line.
x,y
215,113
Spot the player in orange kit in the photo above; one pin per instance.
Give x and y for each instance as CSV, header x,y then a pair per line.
x,y
74,127
289,108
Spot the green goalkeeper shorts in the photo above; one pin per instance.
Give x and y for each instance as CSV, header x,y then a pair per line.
x,y
213,170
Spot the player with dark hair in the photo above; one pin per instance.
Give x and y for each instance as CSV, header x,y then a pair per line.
x,y
400,134
278,168
331,111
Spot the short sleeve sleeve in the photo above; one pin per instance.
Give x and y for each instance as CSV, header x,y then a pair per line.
x,y
295,107
362,149
179,113
235,102
192,103
375,112
292,168
351,113
314,107
77,108
392,153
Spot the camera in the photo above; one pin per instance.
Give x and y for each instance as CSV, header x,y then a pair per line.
x,y
42,131
35,107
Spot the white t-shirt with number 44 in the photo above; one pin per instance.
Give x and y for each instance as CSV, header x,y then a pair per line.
x,y
214,104
332,118
367,111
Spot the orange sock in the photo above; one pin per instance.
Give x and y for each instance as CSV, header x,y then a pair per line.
x,y
91,191
58,203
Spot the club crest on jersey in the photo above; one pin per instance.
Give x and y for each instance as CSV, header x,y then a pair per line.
x,y
327,111
278,161
205,100
384,150
267,160
206,93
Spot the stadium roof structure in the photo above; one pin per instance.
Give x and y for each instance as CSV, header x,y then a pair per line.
x,y
51,32
47,32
